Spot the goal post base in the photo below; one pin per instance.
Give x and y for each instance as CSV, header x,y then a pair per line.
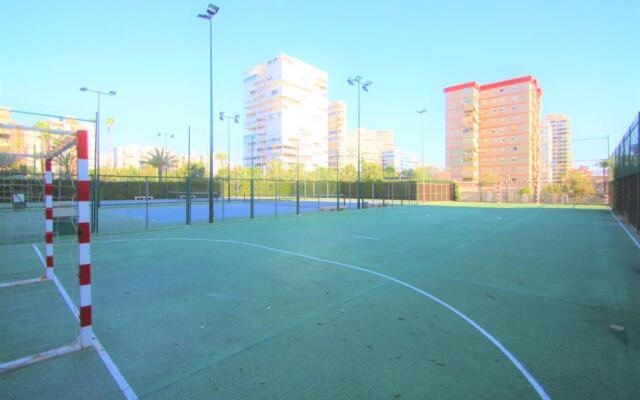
x,y
45,355
23,282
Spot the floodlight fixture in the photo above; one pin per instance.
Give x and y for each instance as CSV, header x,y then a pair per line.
x,y
212,10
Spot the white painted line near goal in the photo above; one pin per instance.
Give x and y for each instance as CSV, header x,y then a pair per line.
x,y
122,383
633,239
516,363
117,376
56,281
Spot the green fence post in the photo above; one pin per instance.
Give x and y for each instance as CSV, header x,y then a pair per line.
x,y
146,203
297,197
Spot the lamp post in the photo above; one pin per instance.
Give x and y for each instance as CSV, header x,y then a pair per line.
x,y
236,119
208,15
96,156
422,113
165,153
357,81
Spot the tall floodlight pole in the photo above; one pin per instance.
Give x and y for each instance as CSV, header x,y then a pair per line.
x,y
208,15
357,81
422,113
165,151
96,156
236,119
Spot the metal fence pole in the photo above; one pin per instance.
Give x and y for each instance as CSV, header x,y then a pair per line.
x,y
297,197
276,189
251,210
146,203
392,187
188,200
373,193
222,195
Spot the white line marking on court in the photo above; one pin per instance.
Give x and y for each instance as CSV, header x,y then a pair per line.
x,y
527,375
223,296
117,376
122,383
63,293
366,237
483,217
625,229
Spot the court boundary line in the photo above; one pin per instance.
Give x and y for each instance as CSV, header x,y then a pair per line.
x,y
633,239
516,363
490,217
115,373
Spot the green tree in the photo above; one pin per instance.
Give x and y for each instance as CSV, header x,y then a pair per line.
x,y
371,171
524,191
221,161
161,160
65,162
578,183
348,173
456,191
275,170
7,161
389,171
197,170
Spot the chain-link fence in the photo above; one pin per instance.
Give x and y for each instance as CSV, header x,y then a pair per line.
x,y
22,209
625,187
583,191
138,203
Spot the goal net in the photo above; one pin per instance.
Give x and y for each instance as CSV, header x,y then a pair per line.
x,y
44,200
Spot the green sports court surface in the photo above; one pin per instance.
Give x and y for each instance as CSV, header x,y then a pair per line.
x,y
446,301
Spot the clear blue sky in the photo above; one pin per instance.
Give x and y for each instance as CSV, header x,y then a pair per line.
x,y
585,54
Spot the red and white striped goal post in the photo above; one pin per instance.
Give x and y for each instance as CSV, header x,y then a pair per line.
x,y
86,337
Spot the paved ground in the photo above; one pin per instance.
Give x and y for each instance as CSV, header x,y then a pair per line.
x,y
278,309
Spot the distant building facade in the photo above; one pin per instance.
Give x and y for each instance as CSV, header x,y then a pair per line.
x,y
337,145
400,160
546,152
131,155
561,157
493,130
26,141
286,114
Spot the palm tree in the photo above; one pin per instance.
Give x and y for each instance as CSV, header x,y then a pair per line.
x,y
220,159
6,161
161,160
65,161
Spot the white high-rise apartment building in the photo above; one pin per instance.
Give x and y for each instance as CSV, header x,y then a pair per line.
x,y
338,146
546,152
286,114
130,155
400,160
561,157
